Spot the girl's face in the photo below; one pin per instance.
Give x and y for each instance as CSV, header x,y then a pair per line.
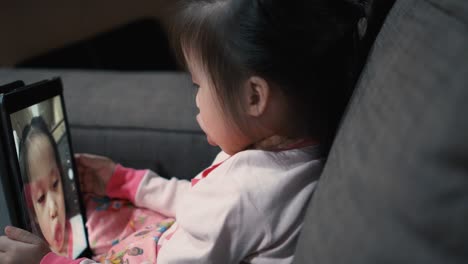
x,y
212,120
46,191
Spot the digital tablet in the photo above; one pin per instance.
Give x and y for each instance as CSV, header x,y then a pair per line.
x,y
37,167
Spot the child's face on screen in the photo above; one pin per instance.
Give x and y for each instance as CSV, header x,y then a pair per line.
x,y
46,191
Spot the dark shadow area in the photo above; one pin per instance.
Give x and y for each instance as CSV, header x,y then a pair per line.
x,y
139,46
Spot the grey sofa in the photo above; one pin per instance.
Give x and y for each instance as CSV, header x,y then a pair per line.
x,y
395,186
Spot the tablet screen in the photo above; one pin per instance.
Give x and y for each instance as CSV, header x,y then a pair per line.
x,y
45,162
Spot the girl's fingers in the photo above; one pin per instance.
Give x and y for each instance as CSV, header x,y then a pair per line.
x,y
87,180
21,235
78,160
92,162
5,244
87,156
81,172
82,185
82,178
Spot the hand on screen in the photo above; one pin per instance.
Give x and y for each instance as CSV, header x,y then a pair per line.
x,y
19,246
94,172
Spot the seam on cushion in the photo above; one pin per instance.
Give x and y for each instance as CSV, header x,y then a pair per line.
x,y
134,128
448,12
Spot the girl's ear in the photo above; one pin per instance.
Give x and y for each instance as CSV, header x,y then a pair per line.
x,y
258,95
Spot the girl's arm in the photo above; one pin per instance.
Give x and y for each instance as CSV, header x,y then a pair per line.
x,y
147,189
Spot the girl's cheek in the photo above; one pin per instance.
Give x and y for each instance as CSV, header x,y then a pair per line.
x,y
41,215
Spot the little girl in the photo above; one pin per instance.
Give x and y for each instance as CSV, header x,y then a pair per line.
x,y
272,80
42,171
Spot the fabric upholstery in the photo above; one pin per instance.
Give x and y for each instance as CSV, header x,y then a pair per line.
x,y
394,189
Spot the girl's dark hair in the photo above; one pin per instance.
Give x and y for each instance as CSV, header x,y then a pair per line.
x,y
37,128
306,48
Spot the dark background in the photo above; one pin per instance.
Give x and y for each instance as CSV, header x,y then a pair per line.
x,y
138,46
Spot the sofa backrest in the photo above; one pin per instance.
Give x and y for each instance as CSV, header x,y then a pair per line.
x,y
395,186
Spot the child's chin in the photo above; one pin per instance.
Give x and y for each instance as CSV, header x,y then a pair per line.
x,y
60,253
210,141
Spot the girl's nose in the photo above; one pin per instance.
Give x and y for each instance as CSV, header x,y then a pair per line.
x,y
52,208
53,214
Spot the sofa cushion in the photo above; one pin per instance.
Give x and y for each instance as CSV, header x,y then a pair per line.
x,y
142,120
394,188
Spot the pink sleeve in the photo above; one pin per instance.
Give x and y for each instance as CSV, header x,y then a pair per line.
x,y
124,183
161,195
145,188
52,258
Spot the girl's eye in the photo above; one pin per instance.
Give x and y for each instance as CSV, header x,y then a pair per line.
x,y
41,199
56,183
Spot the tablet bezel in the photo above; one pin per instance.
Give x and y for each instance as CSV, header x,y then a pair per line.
x,y
17,100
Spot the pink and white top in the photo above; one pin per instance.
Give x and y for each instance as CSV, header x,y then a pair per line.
x,y
248,207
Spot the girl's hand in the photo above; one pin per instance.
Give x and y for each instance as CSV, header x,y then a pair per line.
x,y
94,172
19,246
